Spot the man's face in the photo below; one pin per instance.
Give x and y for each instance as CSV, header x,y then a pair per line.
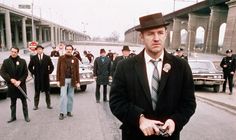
x,y
125,53
39,50
69,50
154,40
14,53
229,54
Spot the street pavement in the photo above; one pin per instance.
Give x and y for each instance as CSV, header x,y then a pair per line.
x,y
220,100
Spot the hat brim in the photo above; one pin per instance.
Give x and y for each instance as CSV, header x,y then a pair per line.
x,y
139,28
39,47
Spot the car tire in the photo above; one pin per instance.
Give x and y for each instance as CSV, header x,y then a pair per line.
x,y
216,88
83,87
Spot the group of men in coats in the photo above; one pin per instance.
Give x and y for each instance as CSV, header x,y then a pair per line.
x,y
15,72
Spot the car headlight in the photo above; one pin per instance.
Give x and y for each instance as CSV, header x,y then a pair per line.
x,y
86,75
2,83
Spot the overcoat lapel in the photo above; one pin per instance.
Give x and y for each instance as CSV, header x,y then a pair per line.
x,y
164,73
140,68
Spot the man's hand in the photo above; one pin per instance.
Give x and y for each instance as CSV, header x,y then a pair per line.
x,y
17,83
13,81
169,126
149,127
232,72
58,83
78,85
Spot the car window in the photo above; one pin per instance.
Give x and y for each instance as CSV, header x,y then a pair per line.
x,y
202,65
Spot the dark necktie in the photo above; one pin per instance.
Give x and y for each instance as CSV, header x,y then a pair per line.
x,y
155,84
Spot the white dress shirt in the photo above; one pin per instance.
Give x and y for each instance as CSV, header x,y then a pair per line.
x,y
150,67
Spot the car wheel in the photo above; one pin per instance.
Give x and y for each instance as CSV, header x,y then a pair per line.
x,y
216,88
83,87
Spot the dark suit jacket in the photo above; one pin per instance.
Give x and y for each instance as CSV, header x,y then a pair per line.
x,y
115,63
130,95
19,72
102,69
41,71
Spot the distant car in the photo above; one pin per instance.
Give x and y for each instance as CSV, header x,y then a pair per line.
x,y
3,88
85,71
206,74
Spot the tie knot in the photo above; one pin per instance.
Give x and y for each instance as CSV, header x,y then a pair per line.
x,y
155,62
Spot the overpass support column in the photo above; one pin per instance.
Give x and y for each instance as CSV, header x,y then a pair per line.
x,y
176,34
56,35
8,29
2,35
16,34
230,33
45,35
167,43
217,17
191,31
40,35
52,36
24,38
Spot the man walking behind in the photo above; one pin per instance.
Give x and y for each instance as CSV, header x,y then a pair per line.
x,y
68,79
101,70
41,66
14,72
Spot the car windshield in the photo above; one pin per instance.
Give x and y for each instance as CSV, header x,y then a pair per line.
x,y
202,66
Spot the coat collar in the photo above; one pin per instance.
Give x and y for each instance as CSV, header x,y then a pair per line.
x,y
140,68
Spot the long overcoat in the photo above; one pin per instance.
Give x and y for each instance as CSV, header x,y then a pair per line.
x,y
19,72
41,70
130,95
102,69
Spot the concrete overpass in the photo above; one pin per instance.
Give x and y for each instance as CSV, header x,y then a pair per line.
x,y
208,14
16,29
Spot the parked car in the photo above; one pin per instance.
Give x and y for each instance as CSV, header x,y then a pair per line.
x,y
206,74
85,70
3,88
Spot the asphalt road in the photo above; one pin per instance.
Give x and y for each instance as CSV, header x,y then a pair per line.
x,y
93,120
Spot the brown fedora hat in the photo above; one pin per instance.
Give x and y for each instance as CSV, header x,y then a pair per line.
x,y
151,21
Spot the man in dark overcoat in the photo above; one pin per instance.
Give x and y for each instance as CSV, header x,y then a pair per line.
x,y
40,67
152,94
14,72
102,68
125,55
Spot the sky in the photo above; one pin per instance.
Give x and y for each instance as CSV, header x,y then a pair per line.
x,y
99,18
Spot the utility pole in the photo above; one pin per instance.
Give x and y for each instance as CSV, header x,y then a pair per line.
x,y
32,17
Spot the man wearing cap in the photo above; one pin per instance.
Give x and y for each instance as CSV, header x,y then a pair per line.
x,y
41,66
54,52
152,93
125,55
228,64
102,72
180,53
